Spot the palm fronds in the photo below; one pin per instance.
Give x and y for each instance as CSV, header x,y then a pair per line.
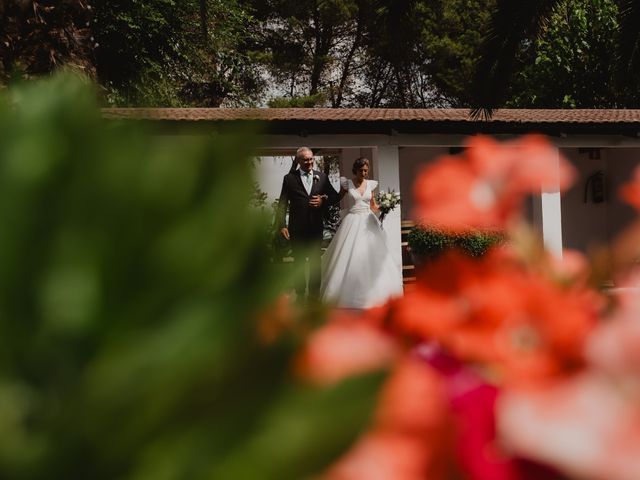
x,y
512,23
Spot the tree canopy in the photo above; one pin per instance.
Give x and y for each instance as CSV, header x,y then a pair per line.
x,y
163,52
336,53
570,64
38,36
588,50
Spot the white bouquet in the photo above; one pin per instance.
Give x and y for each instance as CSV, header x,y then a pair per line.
x,y
387,201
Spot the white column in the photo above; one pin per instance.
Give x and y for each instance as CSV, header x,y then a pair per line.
x,y
387,166
547,214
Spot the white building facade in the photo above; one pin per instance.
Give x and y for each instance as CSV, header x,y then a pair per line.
x,y
603,146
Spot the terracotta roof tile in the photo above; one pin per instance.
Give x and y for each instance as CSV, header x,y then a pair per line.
x,y
537,116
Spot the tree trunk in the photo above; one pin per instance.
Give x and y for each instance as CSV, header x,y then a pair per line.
x,y
348,60
203,22
316,67
323,38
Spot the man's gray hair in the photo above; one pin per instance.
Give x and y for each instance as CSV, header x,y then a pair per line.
x,y
302,150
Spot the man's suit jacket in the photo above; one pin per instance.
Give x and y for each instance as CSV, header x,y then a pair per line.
x,y
305,222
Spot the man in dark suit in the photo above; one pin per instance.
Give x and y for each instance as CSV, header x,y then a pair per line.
x,y
306,193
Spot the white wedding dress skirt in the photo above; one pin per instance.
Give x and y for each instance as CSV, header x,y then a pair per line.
x,y
358,270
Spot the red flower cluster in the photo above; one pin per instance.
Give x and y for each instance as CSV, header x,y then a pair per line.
x,y
408,439
506,367
485,187
494,311
631,191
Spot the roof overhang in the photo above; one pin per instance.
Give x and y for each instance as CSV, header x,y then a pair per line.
x,y
322,121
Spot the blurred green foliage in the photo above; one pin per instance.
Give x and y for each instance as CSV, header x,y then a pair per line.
x,y
132,267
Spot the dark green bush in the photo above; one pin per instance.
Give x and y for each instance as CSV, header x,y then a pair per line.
x,y
429,242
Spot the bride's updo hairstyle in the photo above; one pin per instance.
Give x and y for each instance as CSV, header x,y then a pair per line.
x,y
359,163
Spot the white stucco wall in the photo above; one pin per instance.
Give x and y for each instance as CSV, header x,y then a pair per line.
x,y
270,172
349,155
622,162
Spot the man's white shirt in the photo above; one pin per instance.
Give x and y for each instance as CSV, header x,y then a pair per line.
x,y
307,180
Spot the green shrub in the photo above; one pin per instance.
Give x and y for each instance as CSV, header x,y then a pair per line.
x,y
308,101
477,243
429,242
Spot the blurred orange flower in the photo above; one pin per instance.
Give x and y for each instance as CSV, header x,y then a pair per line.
x,y
385,455
580,425
275,320
630,192
614,347
486,186
412,400
345,346
493,310
516,372
409,437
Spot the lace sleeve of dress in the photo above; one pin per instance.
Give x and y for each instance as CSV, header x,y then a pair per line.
x,y
374,184
344,183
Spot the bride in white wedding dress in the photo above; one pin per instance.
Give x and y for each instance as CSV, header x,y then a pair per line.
x,y
357,268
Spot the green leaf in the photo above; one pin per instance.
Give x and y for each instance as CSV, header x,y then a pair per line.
x,y
305,429
132,268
